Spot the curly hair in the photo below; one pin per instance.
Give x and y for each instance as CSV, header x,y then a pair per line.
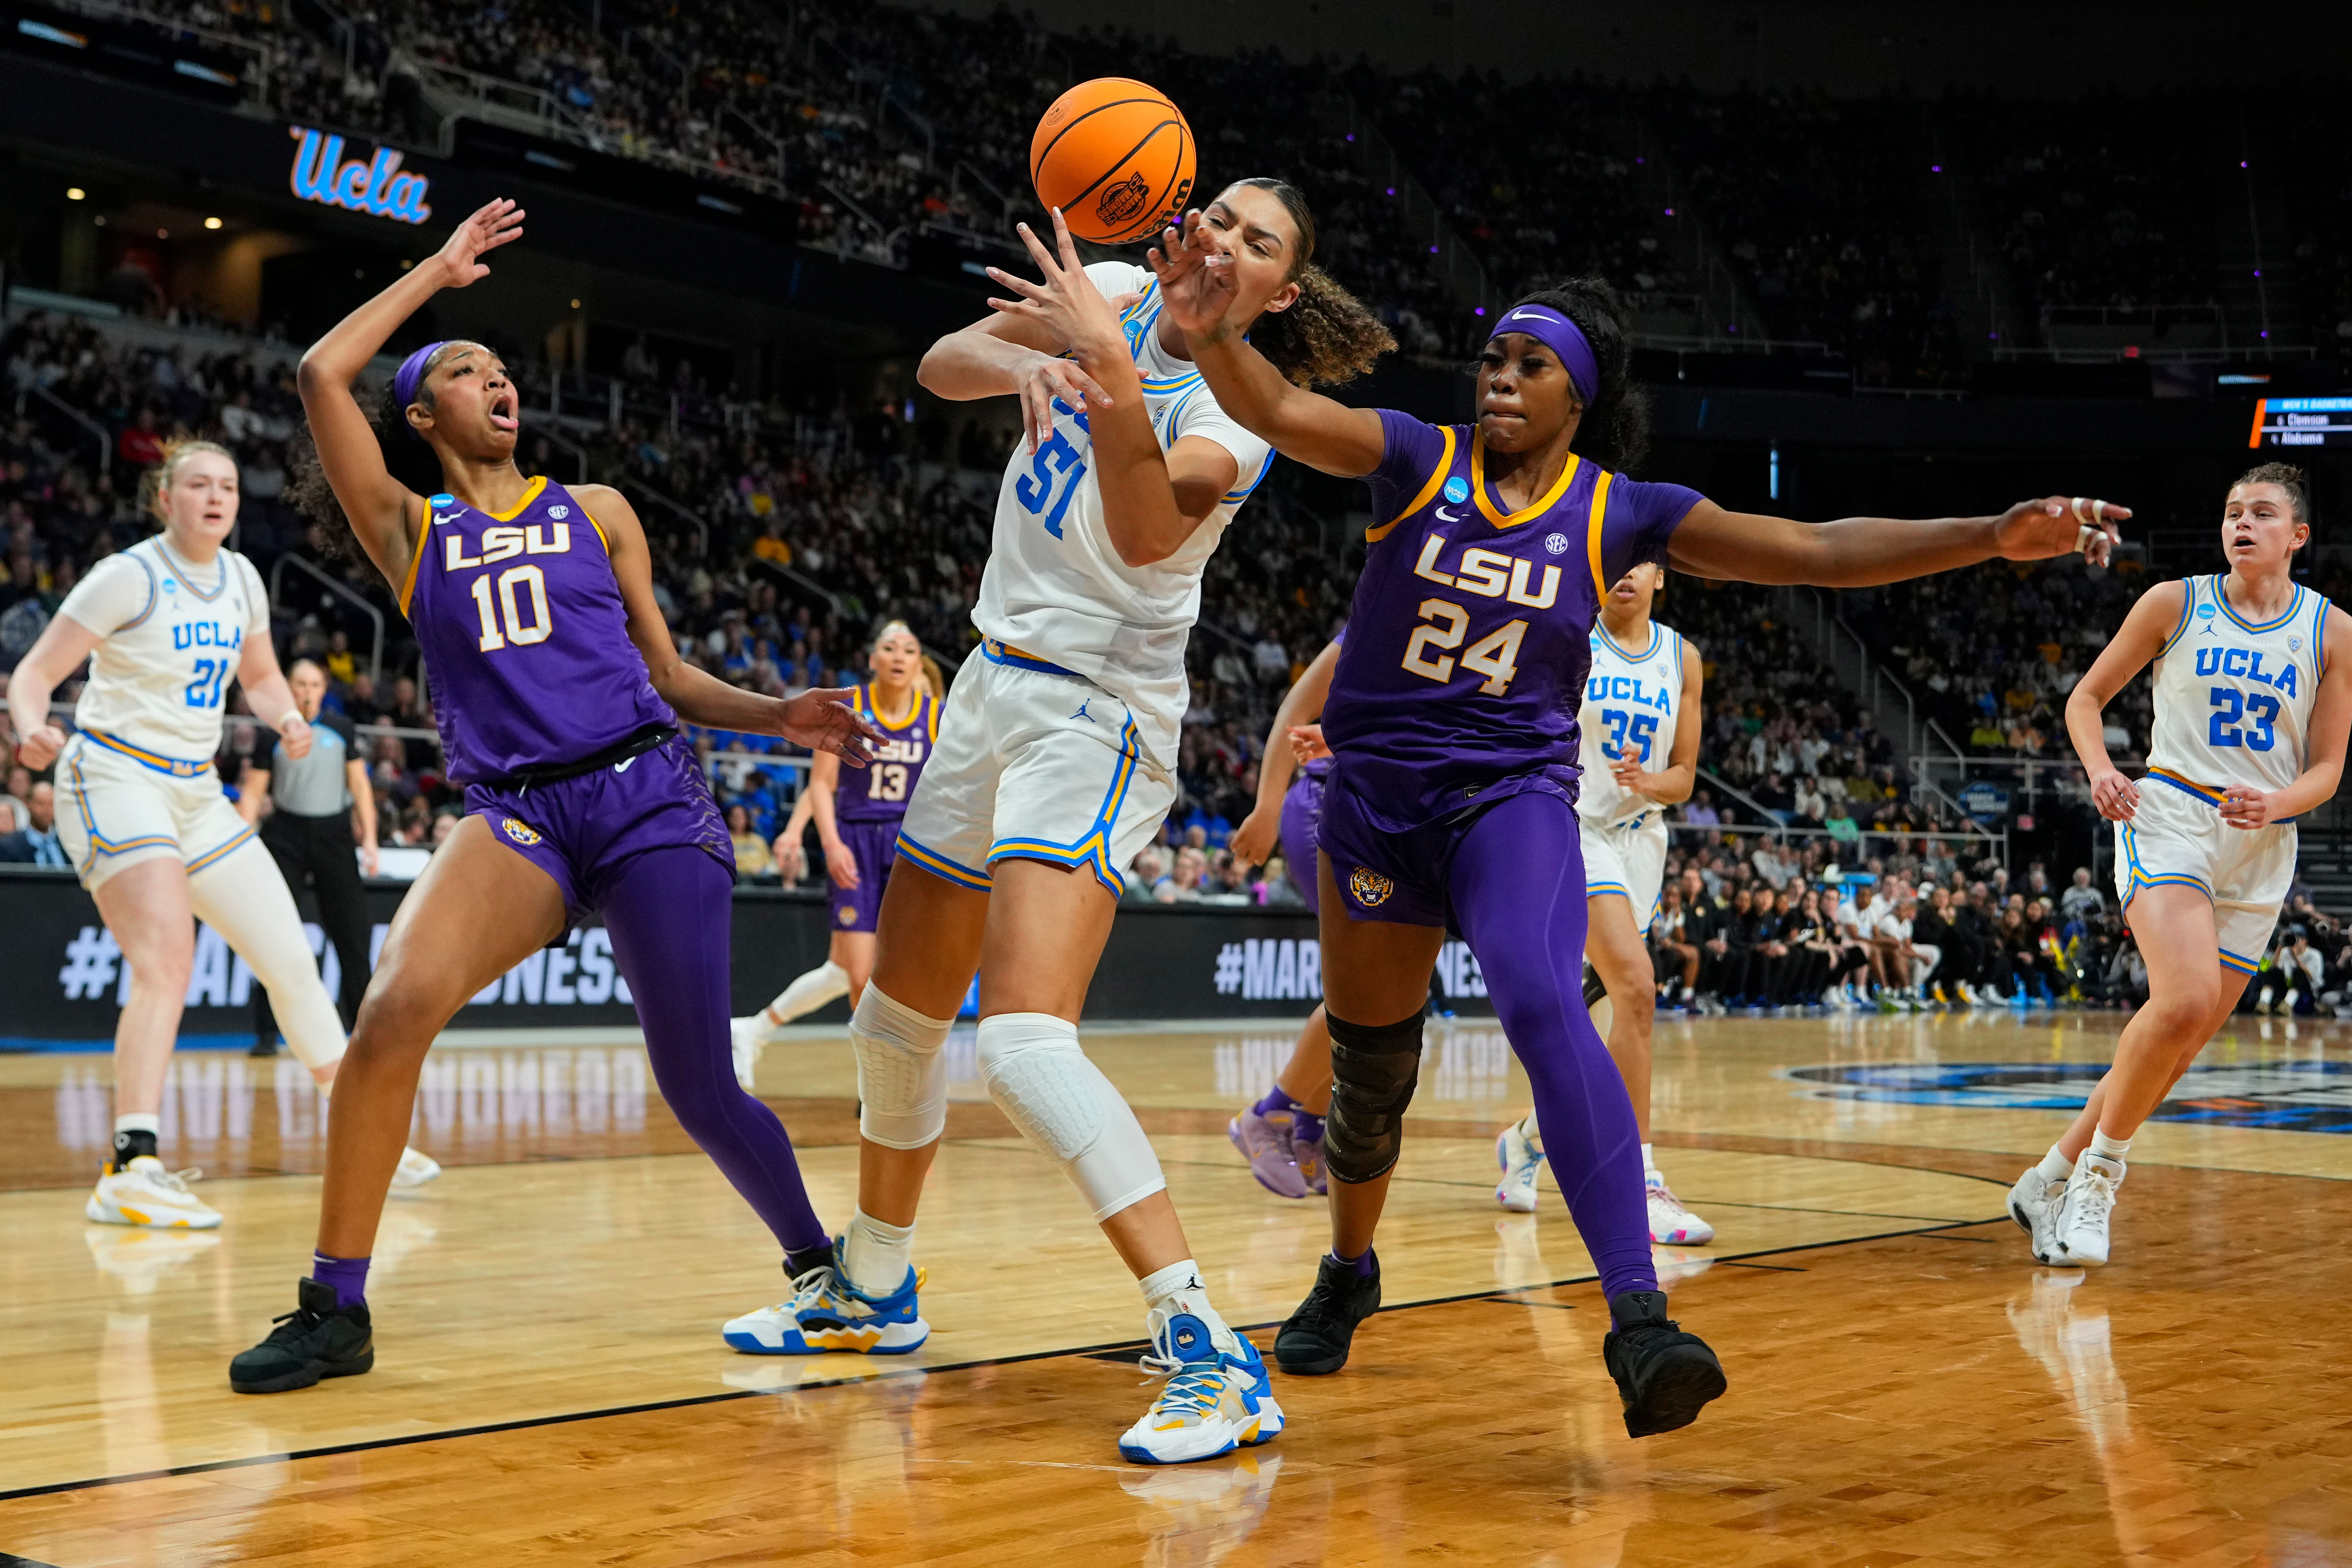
x,y
158,479
407,459
1615,430
1326,336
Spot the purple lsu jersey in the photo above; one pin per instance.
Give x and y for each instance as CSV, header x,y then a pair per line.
x,y
879,791
1470,638
524,634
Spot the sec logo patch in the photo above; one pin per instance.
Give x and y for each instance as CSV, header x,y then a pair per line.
x,y
1556,543
559,513
521,833
846,915
1368,888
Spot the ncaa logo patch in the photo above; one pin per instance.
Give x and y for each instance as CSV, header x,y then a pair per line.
x,y
846,915
1556,543
2205,610
521,833
1368,887
1457,489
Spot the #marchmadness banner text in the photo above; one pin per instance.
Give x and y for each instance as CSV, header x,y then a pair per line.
x,y
65,980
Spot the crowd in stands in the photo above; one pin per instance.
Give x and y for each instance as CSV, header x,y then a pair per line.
x,y
880,121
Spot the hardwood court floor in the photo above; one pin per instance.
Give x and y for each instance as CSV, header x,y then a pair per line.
x,y
1906,1388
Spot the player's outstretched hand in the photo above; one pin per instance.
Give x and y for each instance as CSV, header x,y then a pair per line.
x,y
1195,273
822,719
1066,304
791,861
493,224
39,748
2244,807
2061,525
2116,797
1253,841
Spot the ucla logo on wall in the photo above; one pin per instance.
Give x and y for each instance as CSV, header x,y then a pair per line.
x,y
374,185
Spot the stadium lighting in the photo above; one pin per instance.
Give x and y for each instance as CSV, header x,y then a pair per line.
x,y
74,193
212,223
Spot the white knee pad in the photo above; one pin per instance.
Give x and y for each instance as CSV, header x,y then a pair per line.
x,y
810,991
902,1074
1063,1104
244,898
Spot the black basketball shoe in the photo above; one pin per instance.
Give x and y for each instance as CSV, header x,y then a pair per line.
x,y
1315,1341
1663,1374
317,1339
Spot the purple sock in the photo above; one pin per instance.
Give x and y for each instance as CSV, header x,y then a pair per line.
x,y
1310,1127
1275,1099
1365,1266
347,1275
667,911
1526,932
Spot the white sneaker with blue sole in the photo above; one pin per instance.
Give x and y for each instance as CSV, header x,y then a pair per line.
x,y
1521,1159
826,1313
1215,1400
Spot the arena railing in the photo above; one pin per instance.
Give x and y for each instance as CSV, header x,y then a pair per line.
x,y
341,590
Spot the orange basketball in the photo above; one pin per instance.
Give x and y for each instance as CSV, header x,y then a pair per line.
x,y
1116,156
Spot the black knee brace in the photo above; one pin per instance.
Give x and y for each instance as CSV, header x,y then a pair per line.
x,y
1593,990
1373,1070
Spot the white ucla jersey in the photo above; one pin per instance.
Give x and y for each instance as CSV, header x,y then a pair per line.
x,y
1631,698
2234,697
172,636
1056,589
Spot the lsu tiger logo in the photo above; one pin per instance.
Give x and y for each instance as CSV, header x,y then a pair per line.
x,y
846,915
521,833
1368,887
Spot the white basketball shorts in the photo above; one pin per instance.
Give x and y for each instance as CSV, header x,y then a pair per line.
x,y
117,807
2177,839
1033,763
1628,859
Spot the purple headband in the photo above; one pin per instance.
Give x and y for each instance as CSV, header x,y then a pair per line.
x,y
1562,337
411,374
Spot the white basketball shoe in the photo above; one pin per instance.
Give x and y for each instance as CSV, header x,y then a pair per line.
x,y
1521,1159
2033,1203
2082,1213
749,1036
144,1193
1671,1225
416,1168
1214,1402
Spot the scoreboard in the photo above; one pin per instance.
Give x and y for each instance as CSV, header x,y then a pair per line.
x,y
2302,422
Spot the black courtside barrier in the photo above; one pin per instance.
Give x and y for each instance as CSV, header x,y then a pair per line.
x,y
62,976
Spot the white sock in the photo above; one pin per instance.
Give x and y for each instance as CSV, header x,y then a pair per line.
x,y
140,1122
1649,1161
2055,1165
808,992
1178,1289
874,1254
2108,1148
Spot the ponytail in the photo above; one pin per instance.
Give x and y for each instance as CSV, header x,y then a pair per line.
x,y
408,460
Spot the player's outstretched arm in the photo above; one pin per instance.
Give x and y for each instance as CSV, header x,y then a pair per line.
x,y
820,718
1303,425
1253,841
378,505
1861,552
2323,752
2139,640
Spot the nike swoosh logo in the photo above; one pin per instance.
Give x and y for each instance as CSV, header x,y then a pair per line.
x,y
1523,316
624,767
1445,517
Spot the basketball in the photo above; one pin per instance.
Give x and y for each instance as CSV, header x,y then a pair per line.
x,y
1116,156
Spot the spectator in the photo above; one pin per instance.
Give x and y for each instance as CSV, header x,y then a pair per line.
x,y
2081,901
751,856
36,843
